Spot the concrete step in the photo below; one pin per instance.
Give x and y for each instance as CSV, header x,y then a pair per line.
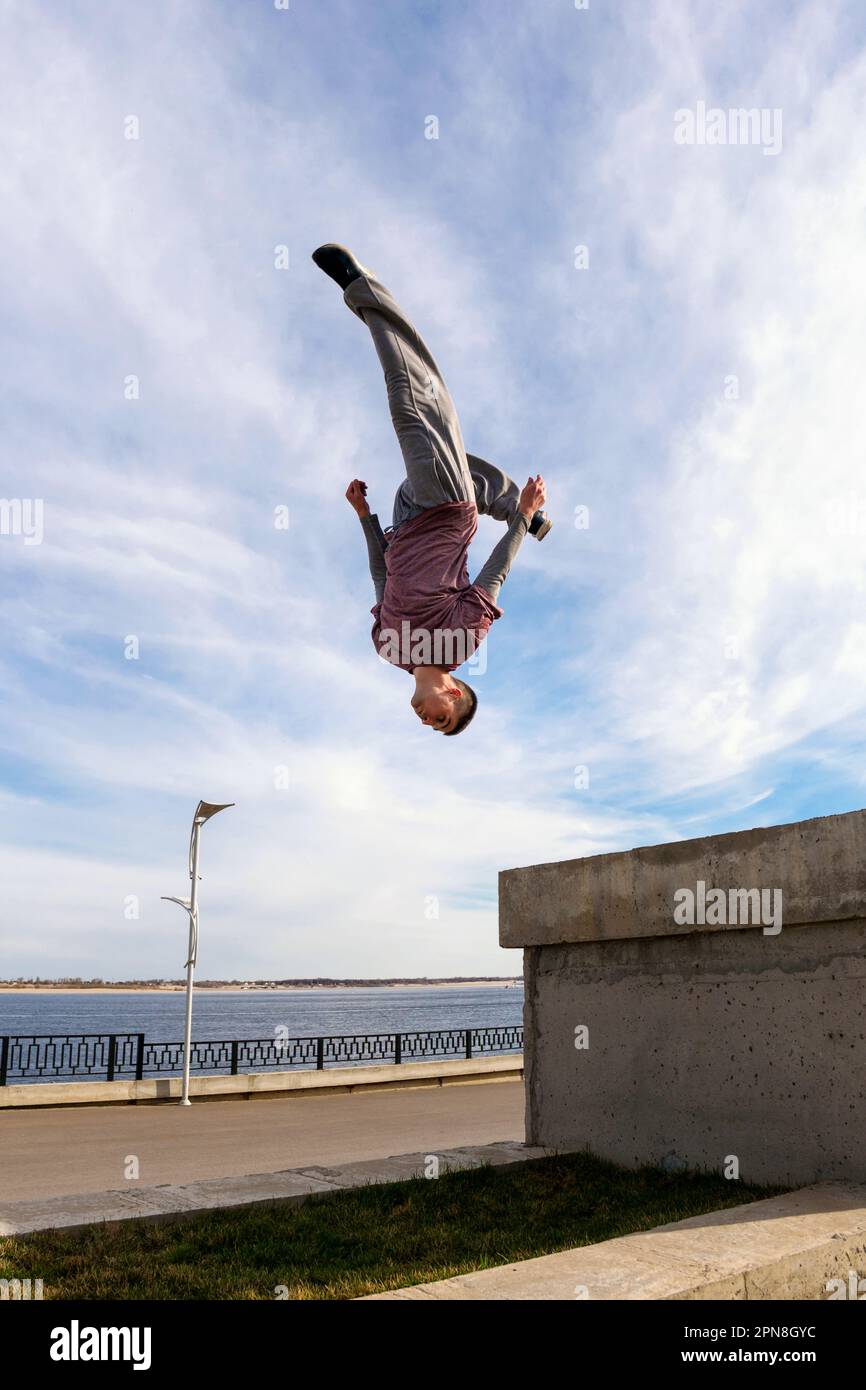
x,y
783,1247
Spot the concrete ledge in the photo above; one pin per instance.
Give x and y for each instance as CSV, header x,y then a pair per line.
x,y
694,1044
818,864
784,1247
264,1085
175,1201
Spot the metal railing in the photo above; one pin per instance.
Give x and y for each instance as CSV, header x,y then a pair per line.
x,y
116,1056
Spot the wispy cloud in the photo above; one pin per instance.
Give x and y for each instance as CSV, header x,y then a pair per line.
x,y
698,651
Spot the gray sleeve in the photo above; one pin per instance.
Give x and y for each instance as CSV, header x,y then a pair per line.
x,y
375,553
493,574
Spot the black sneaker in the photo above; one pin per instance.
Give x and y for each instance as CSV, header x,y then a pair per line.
x,y
339,263
540,525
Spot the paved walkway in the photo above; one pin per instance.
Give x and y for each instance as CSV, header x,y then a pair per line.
x,y
48,1153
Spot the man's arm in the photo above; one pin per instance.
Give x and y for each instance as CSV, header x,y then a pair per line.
x,y
375,553
494,573
356,495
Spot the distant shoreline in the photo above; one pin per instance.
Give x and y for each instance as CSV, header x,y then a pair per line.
x,y
252,989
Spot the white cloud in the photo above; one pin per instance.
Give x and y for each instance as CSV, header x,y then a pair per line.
x,y
706,623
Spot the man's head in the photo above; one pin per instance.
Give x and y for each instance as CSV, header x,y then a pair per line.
x,y
441,701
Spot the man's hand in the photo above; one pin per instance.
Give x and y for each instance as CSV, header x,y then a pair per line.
x,y
356,496
533,496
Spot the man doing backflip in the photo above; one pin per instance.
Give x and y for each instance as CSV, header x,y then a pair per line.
x,y
429,619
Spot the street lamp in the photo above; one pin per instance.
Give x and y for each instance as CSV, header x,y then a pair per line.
x,y
203,812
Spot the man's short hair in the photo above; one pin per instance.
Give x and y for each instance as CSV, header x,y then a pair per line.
x,y
468,699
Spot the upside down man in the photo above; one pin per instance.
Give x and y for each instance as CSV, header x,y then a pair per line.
x,y
428,617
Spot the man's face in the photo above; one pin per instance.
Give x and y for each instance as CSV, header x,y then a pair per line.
x,y
438,709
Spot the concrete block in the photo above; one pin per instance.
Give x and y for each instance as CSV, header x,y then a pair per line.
x,y
818,864
700,1046
787,1247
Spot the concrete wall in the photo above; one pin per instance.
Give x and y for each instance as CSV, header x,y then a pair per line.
x,y
263,1085
704,1041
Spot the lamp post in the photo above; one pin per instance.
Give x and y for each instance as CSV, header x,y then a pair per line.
x,y
203,812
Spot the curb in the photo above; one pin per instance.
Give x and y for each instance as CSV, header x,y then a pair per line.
x,y
269,1085
176,1201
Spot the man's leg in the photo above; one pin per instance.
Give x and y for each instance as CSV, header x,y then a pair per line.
x,y
422,411
496,494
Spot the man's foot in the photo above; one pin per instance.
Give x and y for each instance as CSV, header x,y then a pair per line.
x,y
339,263
540,525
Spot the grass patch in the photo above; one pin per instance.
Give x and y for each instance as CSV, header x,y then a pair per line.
x,y
370,1239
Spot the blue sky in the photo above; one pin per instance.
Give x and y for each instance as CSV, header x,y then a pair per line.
x,y
700,648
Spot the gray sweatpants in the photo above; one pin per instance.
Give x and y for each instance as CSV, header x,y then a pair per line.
x,y
438,469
